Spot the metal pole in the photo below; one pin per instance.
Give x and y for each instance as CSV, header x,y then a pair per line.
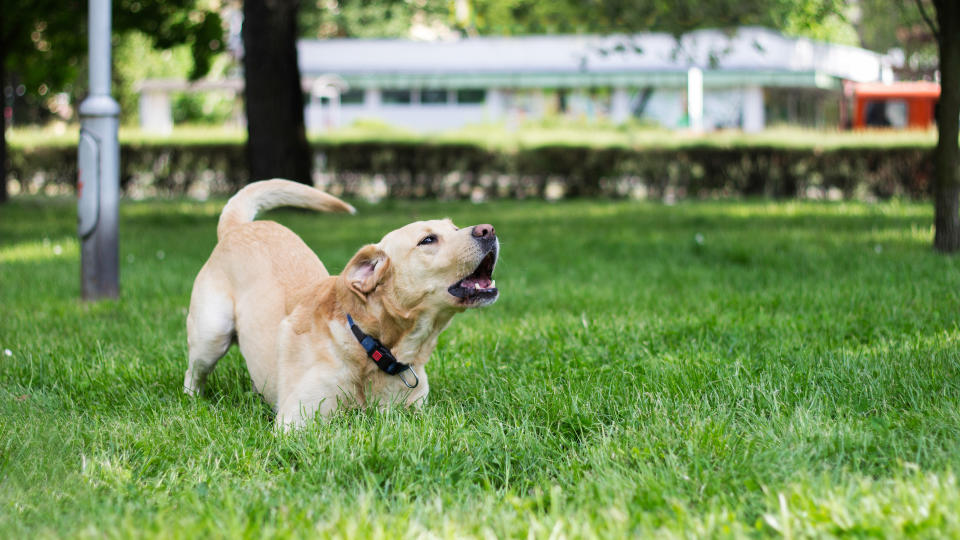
x,y
695,99
98,181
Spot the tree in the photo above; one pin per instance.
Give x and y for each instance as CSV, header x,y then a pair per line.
x,y
814,18
276,137
43,43
368,18
276,142
946,156
883,25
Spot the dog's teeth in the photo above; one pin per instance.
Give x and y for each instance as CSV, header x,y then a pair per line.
x,y
493,284
476,286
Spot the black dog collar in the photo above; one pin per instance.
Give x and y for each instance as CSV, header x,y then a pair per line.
x,y
381,356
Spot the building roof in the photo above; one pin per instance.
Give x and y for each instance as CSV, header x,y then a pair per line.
x,y
748,56
898,89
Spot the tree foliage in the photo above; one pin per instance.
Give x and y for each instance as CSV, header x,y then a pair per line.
x,y
45,41
883,25
822,19
367,18
673,16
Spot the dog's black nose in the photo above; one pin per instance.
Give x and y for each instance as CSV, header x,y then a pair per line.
x,y
484,231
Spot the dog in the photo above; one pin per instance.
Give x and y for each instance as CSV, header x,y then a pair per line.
x,y
313,342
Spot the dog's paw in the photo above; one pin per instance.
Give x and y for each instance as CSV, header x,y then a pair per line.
x,y
190,385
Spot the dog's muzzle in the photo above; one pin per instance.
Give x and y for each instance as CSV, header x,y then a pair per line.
x,y
479,288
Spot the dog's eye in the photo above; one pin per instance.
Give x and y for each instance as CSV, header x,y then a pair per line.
x,y
428,240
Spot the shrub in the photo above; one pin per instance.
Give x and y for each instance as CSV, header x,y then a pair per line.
x,y
412,168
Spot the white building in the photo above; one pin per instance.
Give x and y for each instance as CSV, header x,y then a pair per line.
x,y
747,76
750,78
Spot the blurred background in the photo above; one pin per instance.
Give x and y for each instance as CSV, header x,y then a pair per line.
x,y
733,325
523,98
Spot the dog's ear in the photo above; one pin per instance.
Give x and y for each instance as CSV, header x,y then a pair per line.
x,y
366,270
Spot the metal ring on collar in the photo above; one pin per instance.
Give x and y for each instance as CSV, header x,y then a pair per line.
x,y
416,380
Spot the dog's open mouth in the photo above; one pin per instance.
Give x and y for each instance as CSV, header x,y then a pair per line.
x,y
478,287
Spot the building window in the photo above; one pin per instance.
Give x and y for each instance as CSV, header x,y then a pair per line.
x,y
471,96
897,113
396,97
887,113
433,97
352,97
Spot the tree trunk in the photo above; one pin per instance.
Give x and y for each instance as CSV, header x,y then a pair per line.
x,y
946,219
3,122
276,138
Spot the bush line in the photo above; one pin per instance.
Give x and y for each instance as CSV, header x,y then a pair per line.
x,y
423,169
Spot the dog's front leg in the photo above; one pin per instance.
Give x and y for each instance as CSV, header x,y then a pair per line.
x,y
316,394
310,382
390,391
417,397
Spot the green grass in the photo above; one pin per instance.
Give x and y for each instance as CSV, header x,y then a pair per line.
x,y
795,372
532,135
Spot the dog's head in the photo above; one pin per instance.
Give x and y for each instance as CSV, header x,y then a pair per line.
x,y
428,266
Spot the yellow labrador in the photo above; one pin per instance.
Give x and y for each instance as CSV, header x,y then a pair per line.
x,y
313,341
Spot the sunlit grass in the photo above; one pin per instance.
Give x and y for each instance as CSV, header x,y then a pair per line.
x,y
47,249
710,369
502,137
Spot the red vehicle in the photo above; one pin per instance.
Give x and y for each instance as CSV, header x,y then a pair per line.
x,y
899,105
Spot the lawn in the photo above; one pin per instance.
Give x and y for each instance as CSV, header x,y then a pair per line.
x,y
529,135
708,369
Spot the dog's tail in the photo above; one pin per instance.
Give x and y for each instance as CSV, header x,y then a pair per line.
x,y
264,195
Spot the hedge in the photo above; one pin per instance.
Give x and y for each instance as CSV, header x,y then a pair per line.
x,y
414,169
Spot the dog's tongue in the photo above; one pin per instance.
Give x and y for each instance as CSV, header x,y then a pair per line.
x,y
477,283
